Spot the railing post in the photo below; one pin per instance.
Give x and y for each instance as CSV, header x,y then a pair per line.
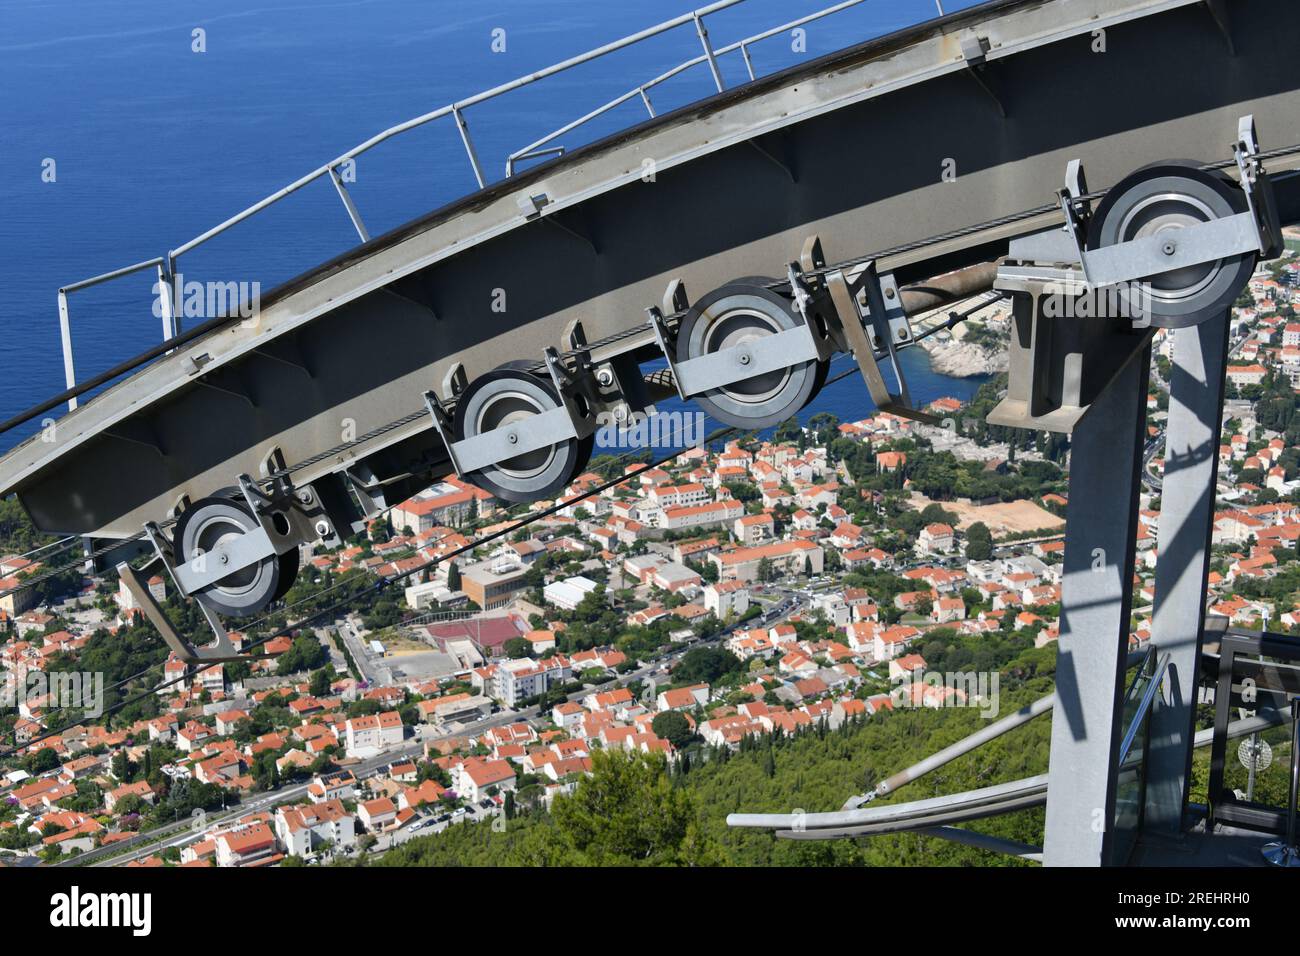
x,y
65,334
349,205
645,98
167,294
749,64
708,51
469,146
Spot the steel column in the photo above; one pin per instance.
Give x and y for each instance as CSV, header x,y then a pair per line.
x,y
1186,524
1096,596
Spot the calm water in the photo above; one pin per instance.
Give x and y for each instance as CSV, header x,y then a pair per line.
x,y
153,143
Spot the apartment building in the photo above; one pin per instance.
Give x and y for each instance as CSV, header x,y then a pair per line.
x,y
785,557
303,829
373,732
518,680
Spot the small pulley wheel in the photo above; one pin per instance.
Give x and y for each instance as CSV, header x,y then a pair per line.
x,y
1162,200
510,395
742,312
210,522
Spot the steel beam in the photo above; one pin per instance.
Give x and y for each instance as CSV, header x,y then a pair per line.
x,y
1096,597
1186,524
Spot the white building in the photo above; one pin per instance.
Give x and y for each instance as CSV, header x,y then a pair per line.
x,y
368,735
476,776
568,594
726,598
303,829
517,680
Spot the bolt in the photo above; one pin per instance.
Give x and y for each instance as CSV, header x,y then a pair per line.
x,y
223,558
1170,248
889,293
304,496
744,359
512,438
605,377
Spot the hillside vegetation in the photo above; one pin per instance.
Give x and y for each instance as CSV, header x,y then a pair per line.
x,y
638,811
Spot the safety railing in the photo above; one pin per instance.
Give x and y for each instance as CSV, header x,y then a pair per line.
x,y
1140,701
539,148
166,265
1257,671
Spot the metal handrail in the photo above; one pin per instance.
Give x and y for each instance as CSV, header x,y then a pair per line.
x,y
530,151
995,797
166,264
1154,683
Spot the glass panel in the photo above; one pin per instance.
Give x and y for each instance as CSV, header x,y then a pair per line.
x,y
1140,700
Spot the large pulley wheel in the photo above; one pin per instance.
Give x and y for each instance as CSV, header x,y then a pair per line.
x,y
211,522
743,312
1162,200
510,395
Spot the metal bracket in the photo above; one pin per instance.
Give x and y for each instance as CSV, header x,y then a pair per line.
x,y
888,323
442,422
300,509
240,552
1153,255
974,54
1257,186
220,650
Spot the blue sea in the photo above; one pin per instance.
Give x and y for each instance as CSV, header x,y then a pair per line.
x,y
119,140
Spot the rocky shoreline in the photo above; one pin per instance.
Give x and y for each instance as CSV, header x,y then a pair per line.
x,y
958,359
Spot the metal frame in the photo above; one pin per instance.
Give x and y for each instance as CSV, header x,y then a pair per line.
x,y
1240,651
1050,354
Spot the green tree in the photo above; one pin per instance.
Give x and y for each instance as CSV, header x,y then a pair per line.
x,y
979,542
320,682
629,813
304,654
673,727
706,665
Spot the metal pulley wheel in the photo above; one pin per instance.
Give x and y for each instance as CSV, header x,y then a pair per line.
x,y
510,395
1162,200
741,312
210,522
